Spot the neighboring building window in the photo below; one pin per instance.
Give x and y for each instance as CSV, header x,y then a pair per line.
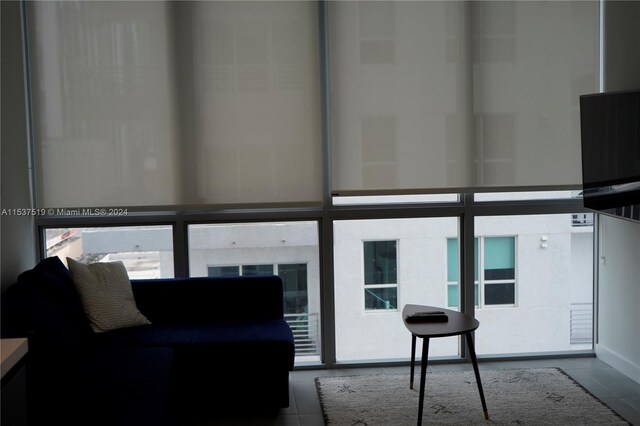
x,y
499,271
498,279
224,271
380,275
257,269
453,269
294,279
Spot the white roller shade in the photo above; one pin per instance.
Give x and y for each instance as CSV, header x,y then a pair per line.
x,y
452,94
174,103
170,103
104,104
257,101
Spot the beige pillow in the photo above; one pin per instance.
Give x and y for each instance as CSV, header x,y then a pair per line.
x,y
106,295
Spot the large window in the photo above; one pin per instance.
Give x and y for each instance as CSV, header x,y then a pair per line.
x,y
209,117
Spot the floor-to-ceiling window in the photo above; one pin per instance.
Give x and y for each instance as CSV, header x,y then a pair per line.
x,y
368,153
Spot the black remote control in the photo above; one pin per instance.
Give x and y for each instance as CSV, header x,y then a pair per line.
x,y
431,316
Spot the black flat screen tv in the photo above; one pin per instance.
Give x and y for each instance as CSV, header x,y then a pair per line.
x,y
610,135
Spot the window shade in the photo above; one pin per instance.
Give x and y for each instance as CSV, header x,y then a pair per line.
x,y
104,104
257,103
172,103
451,94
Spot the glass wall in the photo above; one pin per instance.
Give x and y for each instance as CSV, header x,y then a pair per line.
x,y
533,285
214,116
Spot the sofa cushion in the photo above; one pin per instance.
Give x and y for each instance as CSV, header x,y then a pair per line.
x,y
121,386
52,281
106,295
271,339
204,300
27,312
126,386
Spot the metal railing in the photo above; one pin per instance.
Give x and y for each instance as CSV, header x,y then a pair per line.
x,y
305,328
387,304
582,219
581,323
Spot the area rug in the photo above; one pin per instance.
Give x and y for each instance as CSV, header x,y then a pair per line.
x,y
542,396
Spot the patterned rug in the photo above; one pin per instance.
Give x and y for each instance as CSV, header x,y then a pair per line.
x,y
543,396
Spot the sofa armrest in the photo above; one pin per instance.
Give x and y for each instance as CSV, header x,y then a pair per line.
x,y
203,300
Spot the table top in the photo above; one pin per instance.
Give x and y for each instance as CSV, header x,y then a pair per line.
x,y
458,323
11,351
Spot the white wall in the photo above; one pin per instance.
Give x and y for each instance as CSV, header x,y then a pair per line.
x,y
619,273
619,295
16,232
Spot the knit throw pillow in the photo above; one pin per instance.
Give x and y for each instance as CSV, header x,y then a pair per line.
x,y
106,295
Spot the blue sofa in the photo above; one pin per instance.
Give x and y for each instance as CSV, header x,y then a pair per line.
x,y
213,343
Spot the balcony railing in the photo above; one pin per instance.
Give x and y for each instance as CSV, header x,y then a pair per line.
x,y
306,334
581,323
582,219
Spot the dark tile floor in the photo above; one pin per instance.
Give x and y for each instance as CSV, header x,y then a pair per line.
x,y
613,388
